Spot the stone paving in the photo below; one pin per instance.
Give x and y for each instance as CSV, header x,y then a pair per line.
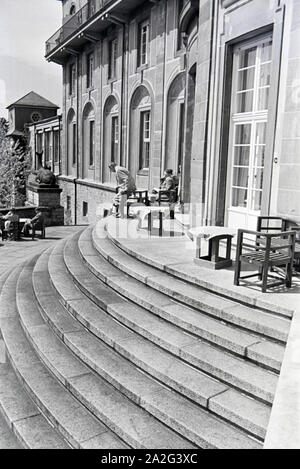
x,y
12,253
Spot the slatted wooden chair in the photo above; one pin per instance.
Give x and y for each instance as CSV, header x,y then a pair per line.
x,y
266,251
140,196
266,224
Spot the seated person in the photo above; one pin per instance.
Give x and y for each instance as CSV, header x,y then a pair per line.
x,y
10,217
167,183
30,223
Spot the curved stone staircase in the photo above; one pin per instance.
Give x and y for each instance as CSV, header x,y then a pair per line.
x,y
107,351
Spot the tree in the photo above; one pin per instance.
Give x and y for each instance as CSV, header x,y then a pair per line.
x,y
14,168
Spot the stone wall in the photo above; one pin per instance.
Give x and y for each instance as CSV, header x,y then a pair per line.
x,y
288,192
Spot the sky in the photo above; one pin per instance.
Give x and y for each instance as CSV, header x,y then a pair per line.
x,y
25,25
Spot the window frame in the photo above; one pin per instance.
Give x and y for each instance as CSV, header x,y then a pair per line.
x,y
253,118
112,59
92,127
90,70
72,79
141,25
144,142
47,146
74,141
115,138
56,142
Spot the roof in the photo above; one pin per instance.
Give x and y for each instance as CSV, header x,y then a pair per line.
x,y
33,99
15,133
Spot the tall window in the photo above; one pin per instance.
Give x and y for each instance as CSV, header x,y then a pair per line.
x,y
251,86
92,142
74,136
90,70
56,146
72,78
145,140
114,138
47,147
39,142
112,60
143,43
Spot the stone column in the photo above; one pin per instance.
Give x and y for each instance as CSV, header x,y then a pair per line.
x,y
158,108
201,110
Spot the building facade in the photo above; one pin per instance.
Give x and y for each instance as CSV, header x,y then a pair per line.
x,y
45,143
209,88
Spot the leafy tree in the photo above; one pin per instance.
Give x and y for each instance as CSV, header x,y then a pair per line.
x,y
14,168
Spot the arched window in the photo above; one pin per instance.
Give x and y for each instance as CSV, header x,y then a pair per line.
x,y
175,124
111,136
88,141
71,142
140,130
73,10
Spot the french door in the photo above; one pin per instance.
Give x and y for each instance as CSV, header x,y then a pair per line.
x,y
248,130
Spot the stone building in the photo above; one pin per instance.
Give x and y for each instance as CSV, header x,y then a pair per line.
x,y
29,109
209,88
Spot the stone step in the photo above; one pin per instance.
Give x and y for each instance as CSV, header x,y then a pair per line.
x,y
69,369
7,438
206,327
175,256
132,382
29,427
66,414
229,369
253,319
24,418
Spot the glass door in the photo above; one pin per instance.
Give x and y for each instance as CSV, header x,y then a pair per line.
x,y
250,99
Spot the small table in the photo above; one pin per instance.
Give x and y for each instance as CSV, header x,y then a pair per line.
x,y
150,213
214,234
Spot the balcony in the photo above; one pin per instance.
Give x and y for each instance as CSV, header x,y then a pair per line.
x,y
89,21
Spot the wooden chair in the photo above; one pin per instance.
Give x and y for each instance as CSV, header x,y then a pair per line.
x,y
138,197
13,232
169,197
39,226
266,251
268,224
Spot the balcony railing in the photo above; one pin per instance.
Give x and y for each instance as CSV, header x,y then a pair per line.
x,y
75,22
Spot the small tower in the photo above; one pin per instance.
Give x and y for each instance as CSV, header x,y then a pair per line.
x,y
29,109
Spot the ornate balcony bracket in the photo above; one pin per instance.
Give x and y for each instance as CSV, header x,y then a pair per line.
x,y
120,19
92,37
71,51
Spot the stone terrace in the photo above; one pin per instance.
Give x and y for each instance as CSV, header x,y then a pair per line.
x,y
115,339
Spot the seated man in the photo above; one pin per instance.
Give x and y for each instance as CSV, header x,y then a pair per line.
x,y
8,219
167,184
30,223
125,187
